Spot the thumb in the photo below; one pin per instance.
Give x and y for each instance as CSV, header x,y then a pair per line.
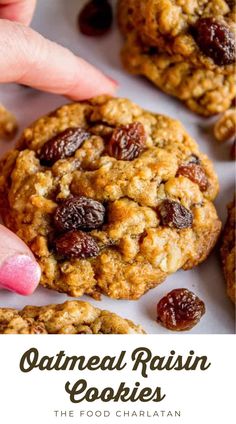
x,y
19,271
31,59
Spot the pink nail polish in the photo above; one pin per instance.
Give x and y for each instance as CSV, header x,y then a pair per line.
x,y
112,80
20,274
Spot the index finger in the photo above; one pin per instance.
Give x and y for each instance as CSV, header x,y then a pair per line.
x,y
17,10
31,59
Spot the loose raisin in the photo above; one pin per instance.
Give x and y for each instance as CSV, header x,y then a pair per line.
x,y
95,18
63,145
173,214
127,141
180,310
76,244
79,213
195,173
216,40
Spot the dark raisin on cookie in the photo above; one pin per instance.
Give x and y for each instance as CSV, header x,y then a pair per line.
x,y
216,40
180,310
127,141
233,103
79,213
95,18
62,145
173,214
195,173
150,50
193,159
231,3
76,244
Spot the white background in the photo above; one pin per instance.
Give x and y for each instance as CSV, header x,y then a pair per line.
x,y
202,396
57,19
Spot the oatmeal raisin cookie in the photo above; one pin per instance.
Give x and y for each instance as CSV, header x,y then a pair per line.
x,y
186,48
8,124
228,252
110,198
74,317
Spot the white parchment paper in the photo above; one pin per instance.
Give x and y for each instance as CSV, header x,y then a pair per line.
x,y
57,20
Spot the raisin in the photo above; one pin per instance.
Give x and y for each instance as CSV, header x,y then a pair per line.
x,y
173,214
127,141
216,40
95,18
180,310
231,3
63,145
195,173
76,244
79,213
150,51
194,159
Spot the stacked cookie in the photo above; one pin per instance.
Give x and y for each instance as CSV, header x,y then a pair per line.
x,y
186,48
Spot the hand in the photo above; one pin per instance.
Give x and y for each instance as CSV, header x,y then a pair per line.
x,y
30,59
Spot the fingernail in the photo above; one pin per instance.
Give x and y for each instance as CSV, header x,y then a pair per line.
x,y
20,274
112,80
